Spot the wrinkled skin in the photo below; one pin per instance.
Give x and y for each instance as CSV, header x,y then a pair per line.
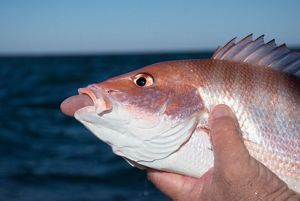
x,y
235,175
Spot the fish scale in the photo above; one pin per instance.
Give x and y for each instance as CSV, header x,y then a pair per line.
x,y
264,117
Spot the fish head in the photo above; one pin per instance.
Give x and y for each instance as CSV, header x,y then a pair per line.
x,y
144,115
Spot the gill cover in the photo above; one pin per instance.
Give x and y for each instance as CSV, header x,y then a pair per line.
x,y
142,140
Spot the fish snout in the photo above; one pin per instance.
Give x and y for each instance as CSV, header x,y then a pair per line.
x,y
88,96
70,105
99,96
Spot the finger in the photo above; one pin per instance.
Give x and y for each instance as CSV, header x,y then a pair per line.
x,y
171,184
226,137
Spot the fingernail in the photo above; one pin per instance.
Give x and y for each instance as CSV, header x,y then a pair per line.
x,y
221,111
218,112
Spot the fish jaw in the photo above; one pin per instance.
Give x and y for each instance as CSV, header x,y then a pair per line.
x,y
133,140
140,140
101,102
102,118
70,105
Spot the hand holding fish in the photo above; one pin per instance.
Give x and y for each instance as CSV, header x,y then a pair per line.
x,y
235,175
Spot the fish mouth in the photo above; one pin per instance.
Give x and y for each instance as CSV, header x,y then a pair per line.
x,y
102,104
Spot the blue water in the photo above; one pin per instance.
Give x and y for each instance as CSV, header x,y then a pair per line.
x,y
47,156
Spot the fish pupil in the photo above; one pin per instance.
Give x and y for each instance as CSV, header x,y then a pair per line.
x,y
141,81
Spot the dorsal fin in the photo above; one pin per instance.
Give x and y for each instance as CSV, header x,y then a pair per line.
x,y
259,53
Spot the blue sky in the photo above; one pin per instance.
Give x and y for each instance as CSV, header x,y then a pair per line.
x,y
60,26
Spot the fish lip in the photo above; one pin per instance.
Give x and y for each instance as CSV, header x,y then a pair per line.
x,y
99,97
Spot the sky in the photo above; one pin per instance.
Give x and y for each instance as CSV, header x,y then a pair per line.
x,y
109,26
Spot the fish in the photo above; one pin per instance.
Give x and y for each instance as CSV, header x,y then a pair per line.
x,y
156,117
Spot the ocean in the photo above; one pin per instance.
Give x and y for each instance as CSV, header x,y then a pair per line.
x,y
47,156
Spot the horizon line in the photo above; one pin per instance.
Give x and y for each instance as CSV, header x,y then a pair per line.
x,y
104,53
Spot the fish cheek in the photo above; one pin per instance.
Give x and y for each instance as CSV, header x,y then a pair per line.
x,y
150,100
184,101
144,101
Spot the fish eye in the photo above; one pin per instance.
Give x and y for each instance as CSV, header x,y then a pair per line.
x,y
143,80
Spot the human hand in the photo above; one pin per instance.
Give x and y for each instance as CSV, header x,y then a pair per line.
x,y
235,175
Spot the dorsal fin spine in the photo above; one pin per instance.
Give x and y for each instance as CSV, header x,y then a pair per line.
x,y
258,53
261,51
236,48
284,62
251,47
292,68
290,64
275,62
226,47
273,55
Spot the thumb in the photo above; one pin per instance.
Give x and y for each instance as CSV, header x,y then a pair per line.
x,y
226,137
173,185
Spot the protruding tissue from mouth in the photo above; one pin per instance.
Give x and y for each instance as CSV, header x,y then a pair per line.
x,y
70,105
